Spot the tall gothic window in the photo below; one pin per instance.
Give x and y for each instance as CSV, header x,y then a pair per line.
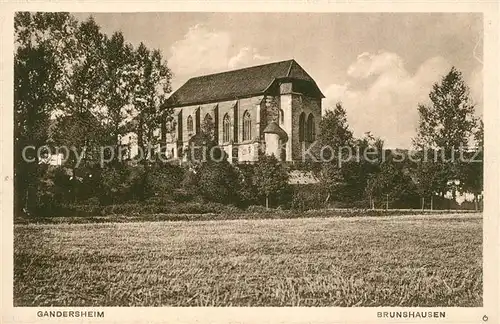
x,y
226,129
302,122
247,126
208,119
208,125
190,124
311,129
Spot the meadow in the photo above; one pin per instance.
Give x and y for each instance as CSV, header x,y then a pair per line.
x,y
428,260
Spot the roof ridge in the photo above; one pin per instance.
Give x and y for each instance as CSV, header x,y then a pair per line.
x,y
303,70
248,81
290,67
245,68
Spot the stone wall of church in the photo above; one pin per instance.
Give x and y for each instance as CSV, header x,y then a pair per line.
x,y
269,111
235,109
252,105
284,109
297,109
286,105
272,104
225,108
308,105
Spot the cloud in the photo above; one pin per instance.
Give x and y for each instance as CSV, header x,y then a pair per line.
x,y
335,93
204,51
200,50
247,56
368,65
387,104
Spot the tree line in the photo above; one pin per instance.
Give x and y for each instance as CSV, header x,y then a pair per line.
x,y
77,87
447,156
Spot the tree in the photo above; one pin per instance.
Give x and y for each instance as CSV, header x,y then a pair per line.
x,y
336,134
148,84
271,178
43,45
218,182
391,183
190,181
371,188
78,88
449,120
332,178
202,148
163,179
352,178
247,193
361,172
335,129
71,132
471,175
78,125
121,183
208,128
445,126
119,69
151,84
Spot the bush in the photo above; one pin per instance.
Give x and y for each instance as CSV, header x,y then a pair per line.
x,y
247,193
218,182
48,197
271,180
231,209
135,209
93,201
198,208
163,179
79,210
305,197
122,183
48,206
258,209
158,201
182,196
190,182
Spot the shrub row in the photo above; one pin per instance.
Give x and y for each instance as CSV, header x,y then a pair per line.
x,y
253,212
133,209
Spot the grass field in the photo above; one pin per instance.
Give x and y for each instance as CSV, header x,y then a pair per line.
x,y
360,261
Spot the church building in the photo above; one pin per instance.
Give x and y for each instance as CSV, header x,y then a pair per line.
x,y
275,107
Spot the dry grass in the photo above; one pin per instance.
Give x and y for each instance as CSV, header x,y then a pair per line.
x,y
406,261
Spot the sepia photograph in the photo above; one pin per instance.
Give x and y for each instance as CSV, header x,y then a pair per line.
x,y
248,159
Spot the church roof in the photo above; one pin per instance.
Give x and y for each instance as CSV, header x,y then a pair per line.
x,y
241,83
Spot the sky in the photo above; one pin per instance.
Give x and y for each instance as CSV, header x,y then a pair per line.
x,y
379,65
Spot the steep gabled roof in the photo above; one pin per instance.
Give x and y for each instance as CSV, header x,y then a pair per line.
x,y
235,84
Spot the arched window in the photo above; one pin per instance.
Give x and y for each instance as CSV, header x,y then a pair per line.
x,y
302,122
190,124
281,117
208,119
247,126
311,129
208,125
226,129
